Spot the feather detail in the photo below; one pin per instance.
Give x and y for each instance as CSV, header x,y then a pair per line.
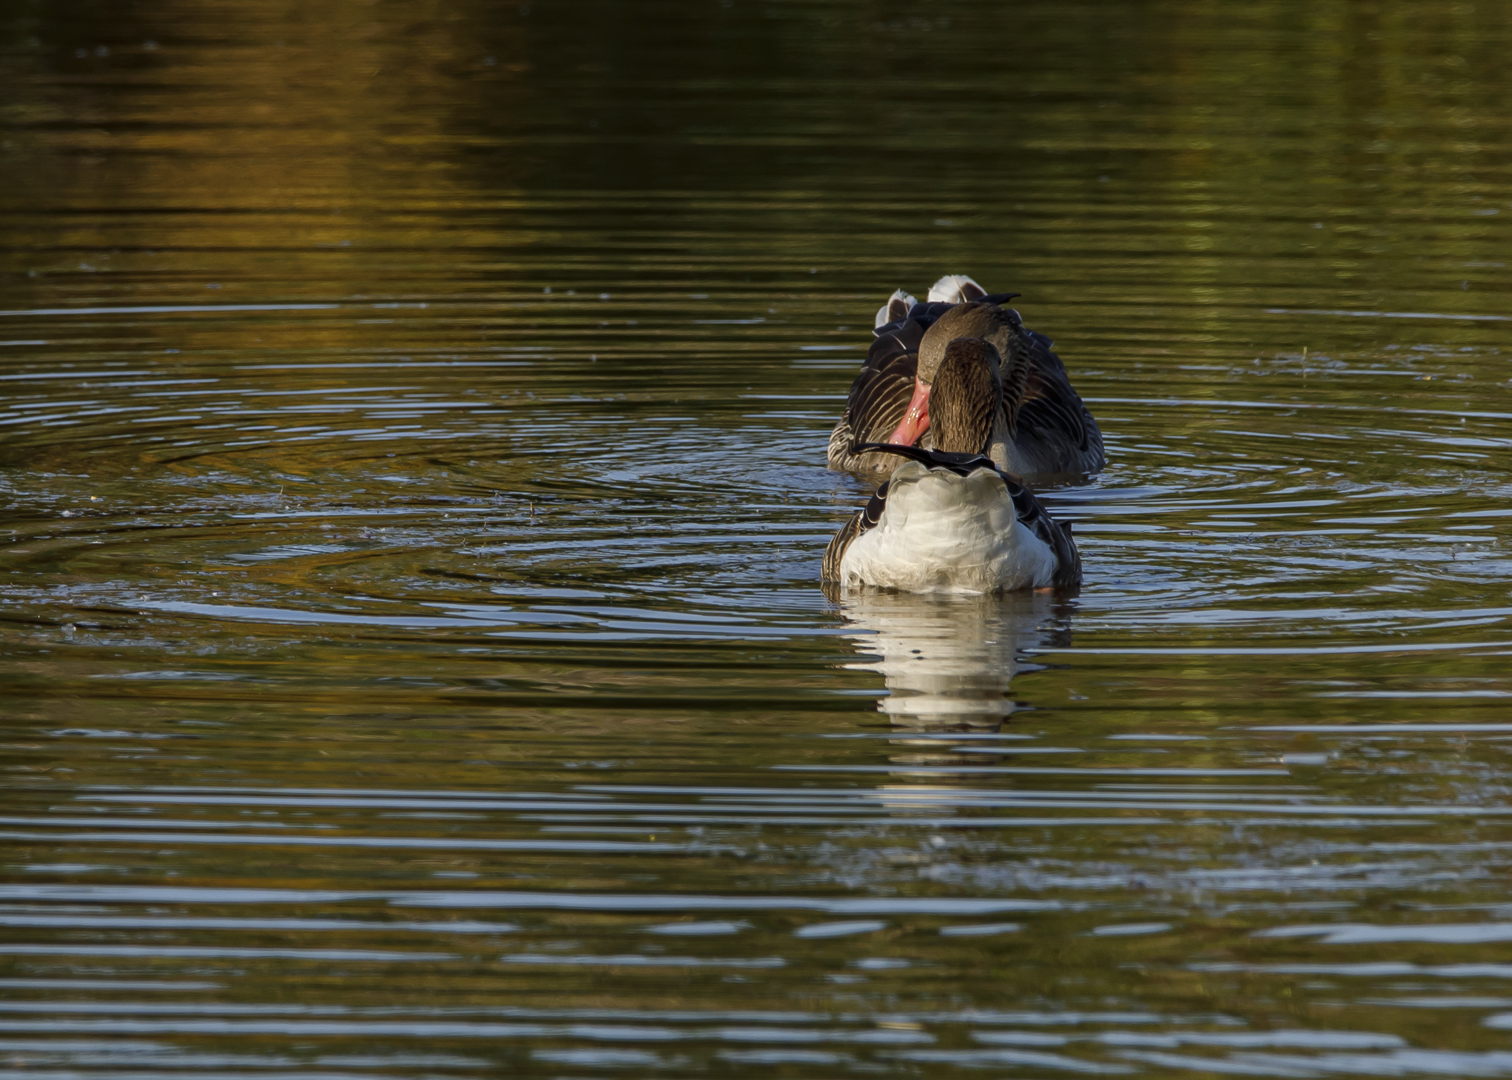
x,y
1029,511
878,397
955,289
1049,430
959,464
898,305
865,519
1054,426
1052,430
942,532
1054,534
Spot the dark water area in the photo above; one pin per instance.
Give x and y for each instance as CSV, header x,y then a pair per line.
x,y
412,489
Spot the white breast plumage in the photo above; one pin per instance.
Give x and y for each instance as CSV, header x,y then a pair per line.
x,y
940,532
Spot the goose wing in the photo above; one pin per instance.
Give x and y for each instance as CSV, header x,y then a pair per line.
x,y
1055,534
1054,427
879,396
864,520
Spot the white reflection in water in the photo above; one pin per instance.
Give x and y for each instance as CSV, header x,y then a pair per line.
x,y
947,661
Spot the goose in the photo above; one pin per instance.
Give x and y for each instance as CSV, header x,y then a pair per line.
x,y
889,400
949,519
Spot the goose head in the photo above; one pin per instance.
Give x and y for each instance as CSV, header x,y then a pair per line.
x,y
983,321
967,393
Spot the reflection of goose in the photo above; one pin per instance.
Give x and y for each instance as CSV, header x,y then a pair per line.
x,y
889,401
948,519
947,660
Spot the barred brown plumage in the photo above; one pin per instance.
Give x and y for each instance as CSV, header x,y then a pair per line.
x,y
1052,430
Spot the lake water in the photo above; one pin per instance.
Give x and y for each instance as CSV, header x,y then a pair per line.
x,y
412,430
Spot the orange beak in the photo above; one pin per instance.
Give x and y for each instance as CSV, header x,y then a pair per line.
x,y
915,421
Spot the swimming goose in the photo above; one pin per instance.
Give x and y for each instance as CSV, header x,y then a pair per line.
x,y
949,519
889,400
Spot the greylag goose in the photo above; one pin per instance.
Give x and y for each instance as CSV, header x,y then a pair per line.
x,y
949,519
889,400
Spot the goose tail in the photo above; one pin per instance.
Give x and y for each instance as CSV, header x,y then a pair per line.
x,y
898,305
955,289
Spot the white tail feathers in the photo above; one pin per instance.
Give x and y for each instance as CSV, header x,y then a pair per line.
x,y
940,532
950,289
896,308
955,289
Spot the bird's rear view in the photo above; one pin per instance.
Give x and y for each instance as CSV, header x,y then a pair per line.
x,y
948,520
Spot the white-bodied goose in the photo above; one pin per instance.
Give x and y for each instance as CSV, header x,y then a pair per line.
x,y
950,520
889,401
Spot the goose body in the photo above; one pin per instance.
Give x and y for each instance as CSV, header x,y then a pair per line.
x,y
950,519
939,531
1053,432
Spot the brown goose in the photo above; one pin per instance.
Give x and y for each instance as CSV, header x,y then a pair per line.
x,y
948,519
889,400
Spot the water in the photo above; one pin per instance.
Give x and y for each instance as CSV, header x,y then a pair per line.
x,y
412,423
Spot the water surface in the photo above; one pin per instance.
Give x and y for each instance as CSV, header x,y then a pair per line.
x,y
412,427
